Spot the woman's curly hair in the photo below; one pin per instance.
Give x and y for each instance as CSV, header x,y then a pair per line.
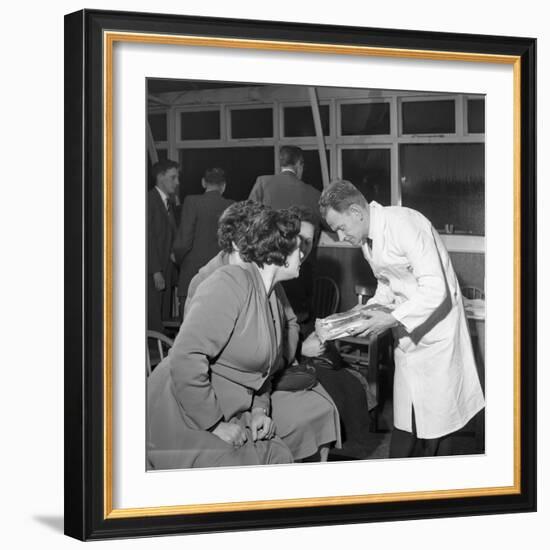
x,y
235,222
272,236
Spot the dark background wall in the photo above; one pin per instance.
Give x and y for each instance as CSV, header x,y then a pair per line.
x,y
348,267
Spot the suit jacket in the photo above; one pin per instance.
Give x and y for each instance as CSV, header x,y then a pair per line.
x,y
196,240
435,370
161,227
284,190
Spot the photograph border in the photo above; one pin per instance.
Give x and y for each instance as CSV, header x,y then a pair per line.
x,y
89,39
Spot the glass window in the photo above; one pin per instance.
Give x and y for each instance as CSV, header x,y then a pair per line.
x,y
446,182
312,168
370,171
298,121
157,123
252,123
476,116
365,119
428,117
242,165
200,125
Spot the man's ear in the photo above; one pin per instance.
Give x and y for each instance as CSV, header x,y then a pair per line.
x,y
203,183
356,210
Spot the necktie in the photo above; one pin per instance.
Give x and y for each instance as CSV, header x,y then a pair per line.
x,y
170,211
369,244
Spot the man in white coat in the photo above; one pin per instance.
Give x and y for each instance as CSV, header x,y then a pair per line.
x,y
436,385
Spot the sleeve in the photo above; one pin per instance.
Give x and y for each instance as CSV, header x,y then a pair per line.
x,y
262,398
153,259
383,295
291,334
208,325
257,193
185,234
417,243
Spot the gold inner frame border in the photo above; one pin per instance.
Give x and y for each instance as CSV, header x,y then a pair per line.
x,y
109,40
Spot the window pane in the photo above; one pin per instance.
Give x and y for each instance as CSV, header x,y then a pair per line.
x,y
369,171
200,125
446,182
312,168
157,122
242,165
429,117
365,119
252,123
299,121
476,116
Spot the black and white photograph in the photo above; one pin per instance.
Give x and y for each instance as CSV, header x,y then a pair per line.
x,y
315,274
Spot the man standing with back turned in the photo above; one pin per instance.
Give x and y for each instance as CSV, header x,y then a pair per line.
x,y
436,385
196,241
284,190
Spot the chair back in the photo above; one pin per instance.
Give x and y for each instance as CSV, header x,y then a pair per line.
x,y
157,346
326,297
473,293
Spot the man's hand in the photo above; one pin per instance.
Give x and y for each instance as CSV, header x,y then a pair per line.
x,y
231,433
377,322
158,279
312,346
261,425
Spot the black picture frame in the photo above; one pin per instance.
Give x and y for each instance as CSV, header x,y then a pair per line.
x,y
87,510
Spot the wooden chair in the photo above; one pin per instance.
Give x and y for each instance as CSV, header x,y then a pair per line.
x,y
365,354
157,346
326,297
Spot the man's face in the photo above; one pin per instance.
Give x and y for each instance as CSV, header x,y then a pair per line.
x,y
307,233
350,225
168,181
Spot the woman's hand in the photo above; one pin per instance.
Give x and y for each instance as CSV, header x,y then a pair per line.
x,y
231,433
312,346
261,425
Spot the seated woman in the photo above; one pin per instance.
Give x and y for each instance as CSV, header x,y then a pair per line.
x,y
307,421
346,386
209,400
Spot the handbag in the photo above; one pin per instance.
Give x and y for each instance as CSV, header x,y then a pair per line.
x,y
296,378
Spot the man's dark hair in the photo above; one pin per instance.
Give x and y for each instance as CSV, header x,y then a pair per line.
x,y
214,176
235,222
163,166
339,196
290,155
305,214
271,238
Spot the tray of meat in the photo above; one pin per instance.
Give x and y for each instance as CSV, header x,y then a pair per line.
x,y
347,323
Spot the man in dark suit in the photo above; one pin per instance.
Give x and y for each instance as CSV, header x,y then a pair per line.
x,y
196,241
287,188
161,227
284,190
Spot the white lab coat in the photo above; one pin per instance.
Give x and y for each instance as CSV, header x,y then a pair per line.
x,y
435,370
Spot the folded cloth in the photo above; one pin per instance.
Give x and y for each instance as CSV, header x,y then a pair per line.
x,y
347,323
